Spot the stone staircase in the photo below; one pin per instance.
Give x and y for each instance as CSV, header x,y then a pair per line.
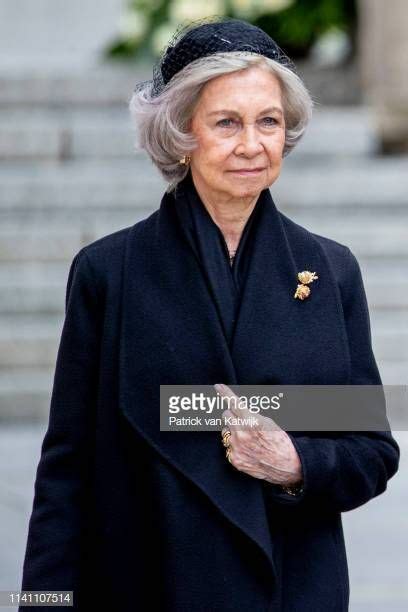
x,y
69,174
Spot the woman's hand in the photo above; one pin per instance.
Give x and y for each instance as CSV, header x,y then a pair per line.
x,y
265,451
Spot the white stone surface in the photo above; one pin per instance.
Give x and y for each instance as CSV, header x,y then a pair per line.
x,y
55,34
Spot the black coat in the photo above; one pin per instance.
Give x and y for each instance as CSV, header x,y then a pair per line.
x,y
132,518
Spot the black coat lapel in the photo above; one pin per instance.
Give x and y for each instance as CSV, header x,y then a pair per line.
x,y
280,339
171,334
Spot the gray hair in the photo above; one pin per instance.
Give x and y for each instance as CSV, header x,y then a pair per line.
x,y
162,121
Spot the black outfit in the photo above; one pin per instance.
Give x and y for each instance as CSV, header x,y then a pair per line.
x,y
120,505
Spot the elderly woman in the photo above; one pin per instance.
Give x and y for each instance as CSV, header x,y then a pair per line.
x,y
214,287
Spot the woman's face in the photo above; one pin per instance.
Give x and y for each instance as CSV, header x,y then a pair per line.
x,y
240,128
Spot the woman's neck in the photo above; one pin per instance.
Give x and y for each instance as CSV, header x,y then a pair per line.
x,y
229,213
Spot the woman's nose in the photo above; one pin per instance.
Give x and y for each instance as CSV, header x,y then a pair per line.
x,y
250,142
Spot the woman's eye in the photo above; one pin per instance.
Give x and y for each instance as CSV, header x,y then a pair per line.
x,y
225,122
269,121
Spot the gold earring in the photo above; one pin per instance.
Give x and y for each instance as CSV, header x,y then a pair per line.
x,y
185,160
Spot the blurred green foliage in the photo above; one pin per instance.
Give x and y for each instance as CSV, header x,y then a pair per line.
x,y
295,24
301,24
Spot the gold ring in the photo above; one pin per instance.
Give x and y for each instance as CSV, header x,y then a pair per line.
x,y
228,453
225,438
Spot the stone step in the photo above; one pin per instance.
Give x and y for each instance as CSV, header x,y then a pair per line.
x,y
76,186
56,34
106,85
14,324
53,273
36,342
25,393
57,242
391,346
108,132
30,340
45,234
378,254
371,185
39,244
40,287
66,135
44,81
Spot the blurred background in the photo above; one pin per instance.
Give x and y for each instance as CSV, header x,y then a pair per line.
x,y
69,174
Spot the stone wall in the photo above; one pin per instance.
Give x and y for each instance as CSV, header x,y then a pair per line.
x,y
383,60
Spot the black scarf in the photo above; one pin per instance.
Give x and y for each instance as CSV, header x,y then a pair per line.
x,y
225,281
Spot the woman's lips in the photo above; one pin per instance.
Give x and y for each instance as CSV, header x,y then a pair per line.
x,y
248,172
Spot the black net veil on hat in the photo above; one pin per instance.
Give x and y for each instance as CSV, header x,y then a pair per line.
x,y
204,38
